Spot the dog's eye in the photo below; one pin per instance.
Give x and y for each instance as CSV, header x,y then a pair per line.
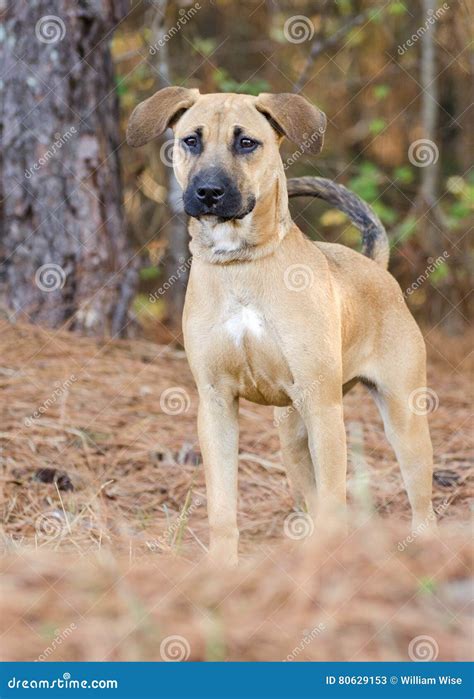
x,y
247,144
191,142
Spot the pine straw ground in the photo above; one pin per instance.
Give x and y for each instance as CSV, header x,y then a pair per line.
x,y
105,562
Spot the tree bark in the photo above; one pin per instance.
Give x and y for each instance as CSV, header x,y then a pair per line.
x,y
65,259
429,99
177,247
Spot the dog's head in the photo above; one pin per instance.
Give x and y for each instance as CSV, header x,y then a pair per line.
x,y
226,152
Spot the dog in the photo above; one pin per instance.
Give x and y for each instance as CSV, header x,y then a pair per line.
x,y
278,319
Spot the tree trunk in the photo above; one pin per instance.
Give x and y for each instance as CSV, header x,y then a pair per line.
x,y
429,98
65,258
177,247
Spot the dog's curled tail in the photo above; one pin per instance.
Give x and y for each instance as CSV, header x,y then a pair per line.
x,y
374,236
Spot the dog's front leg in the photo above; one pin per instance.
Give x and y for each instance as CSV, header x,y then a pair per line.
x,y
219,439
327,444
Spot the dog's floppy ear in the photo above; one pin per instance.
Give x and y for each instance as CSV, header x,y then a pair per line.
x,y
294,117
153,116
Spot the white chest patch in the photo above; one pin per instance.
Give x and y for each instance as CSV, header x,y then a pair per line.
x,y
246,320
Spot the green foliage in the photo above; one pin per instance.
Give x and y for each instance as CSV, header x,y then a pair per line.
x,y
216,650
381,91
397,8
146,310
385,213
463,205
427,586
121,87
149,273
366,183
405,230
439,273
226,83
404,174
376,126
205,46
345,7
375,15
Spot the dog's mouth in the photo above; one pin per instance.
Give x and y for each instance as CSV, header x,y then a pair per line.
x,y
218,213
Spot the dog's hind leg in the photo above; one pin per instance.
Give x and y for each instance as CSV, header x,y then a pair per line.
x,y
296,456
404,402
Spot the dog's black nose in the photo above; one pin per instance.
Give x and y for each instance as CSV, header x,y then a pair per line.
x,y
213,192
210,194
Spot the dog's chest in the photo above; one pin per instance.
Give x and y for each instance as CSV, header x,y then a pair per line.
x,y
244,323
252,354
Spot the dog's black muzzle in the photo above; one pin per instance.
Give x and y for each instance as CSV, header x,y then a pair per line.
x,y
213,193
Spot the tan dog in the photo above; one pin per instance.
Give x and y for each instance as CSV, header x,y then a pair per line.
x,y
252,329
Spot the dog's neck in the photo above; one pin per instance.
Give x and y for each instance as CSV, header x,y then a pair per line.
x,y
256,235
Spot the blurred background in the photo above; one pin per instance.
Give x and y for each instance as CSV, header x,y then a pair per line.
x,y
102,493
101,225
